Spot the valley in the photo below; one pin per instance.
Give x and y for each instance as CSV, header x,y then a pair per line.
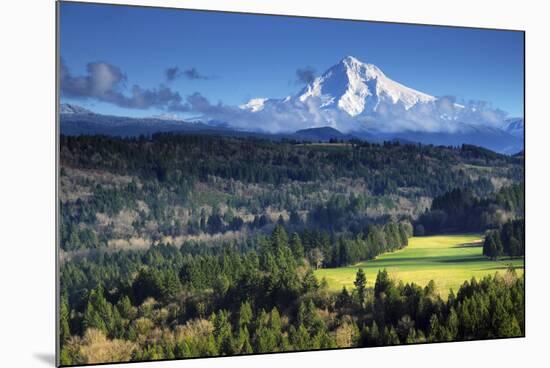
x,y
168,239
448,260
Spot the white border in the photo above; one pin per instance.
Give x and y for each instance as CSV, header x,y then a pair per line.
x,y
27,182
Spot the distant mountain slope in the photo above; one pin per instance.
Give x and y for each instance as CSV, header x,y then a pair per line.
x,y
514,126
320,134
76,120
491,138
80,121
69,109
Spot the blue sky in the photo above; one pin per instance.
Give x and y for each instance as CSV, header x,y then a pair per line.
x,y
235,57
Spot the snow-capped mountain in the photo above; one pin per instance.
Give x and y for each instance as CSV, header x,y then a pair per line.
x,y
353,87
357,88
359,98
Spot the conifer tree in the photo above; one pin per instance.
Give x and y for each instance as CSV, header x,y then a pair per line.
x,y
360,285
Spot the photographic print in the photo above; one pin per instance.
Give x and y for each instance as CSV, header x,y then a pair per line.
x,y
233,183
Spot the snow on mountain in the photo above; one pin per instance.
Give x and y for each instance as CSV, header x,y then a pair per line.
x,y
359,98
357,88
356,96
167,117
254,105
66,108
352,87
514,126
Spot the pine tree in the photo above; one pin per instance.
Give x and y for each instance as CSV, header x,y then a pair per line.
x,y
296,246
452,324
514,247
171,285
245,315
435,329
265,339
64,330
98,313
222,332
300,338
125,308
383,283
244,341
310,282
374,335
343,299
308,317
279,237
390,336
360,285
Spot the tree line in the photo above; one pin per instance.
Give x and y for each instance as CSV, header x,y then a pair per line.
x,y
460,210
179,158
508,240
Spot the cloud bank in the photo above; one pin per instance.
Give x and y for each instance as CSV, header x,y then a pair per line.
x,y
108,83
444,115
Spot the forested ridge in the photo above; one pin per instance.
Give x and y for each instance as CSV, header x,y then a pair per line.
x,y
181,186
173,158
178,246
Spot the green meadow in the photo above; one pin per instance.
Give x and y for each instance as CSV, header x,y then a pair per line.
x,y
449,260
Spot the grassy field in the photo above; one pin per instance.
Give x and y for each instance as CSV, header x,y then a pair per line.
x,y
449,260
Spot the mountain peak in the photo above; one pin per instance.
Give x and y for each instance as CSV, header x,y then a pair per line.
x,y
352,63
358,88
350,86
351,60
